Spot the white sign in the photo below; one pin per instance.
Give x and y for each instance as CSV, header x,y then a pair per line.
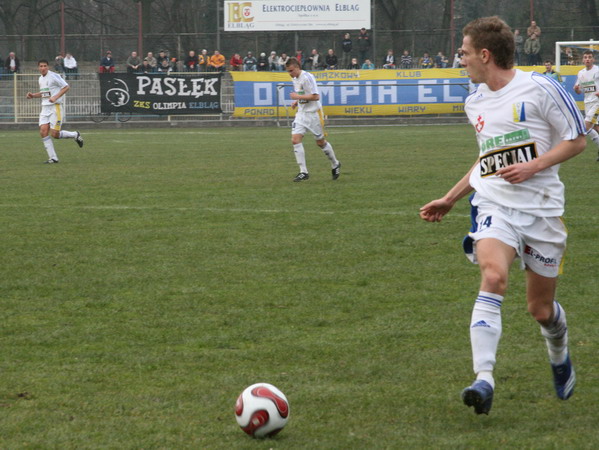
x,y
289,15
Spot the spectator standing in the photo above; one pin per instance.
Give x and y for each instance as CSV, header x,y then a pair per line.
x,y
533,29
532,48
363,44
519,43
331,60
107,63
58,64
217,62
262,65
70,65
346,49
389,62
12,65
152,61
250,63
353,65
191,62
236,62
406,60
368,65
133,63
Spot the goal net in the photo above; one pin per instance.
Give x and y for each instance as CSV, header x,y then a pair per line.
x,y
569,53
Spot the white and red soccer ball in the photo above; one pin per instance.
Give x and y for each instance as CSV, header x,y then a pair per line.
x,y
262,410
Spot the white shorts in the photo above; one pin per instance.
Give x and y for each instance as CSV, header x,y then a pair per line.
x,y
312,122
52,114
591,112
540,242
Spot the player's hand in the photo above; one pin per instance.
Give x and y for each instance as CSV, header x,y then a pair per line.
x,y
294,96
294,105
52,99
517,173
29,95
435,211
577,89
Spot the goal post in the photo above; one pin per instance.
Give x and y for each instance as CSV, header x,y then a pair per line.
x,y
570,52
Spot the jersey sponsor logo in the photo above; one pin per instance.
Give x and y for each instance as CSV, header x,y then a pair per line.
x,y
505,139
480,123
519,112
492,162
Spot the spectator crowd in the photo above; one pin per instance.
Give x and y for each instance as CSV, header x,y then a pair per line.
x,y
355,54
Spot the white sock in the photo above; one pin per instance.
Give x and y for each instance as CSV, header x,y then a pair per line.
x,y
328,150
300,157
49,145
485,332
556,335
67,135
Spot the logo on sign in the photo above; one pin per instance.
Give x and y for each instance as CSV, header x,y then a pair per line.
x,y
241,12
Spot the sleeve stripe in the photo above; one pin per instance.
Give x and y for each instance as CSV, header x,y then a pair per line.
x,y
566,100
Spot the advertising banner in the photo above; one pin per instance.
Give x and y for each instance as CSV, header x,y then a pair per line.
x,y
366,92
290,15
194,93
356,93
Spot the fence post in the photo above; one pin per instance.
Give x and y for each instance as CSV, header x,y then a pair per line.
x,y
14,94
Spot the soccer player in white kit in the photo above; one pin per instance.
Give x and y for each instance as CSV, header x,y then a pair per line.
x,y
526,125
52,90
588,83
309,117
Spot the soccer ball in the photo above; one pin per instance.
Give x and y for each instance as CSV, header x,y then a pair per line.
x,y
262,410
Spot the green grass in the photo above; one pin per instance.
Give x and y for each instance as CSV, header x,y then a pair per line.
x,y
150,277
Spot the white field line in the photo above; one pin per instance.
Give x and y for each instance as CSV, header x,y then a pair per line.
x,y
218,210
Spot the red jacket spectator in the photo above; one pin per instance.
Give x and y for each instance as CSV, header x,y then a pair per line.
x,y
236,62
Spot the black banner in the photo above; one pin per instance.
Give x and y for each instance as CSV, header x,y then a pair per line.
x,y
155,93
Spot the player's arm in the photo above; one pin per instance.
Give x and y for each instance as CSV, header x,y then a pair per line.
x,y
59,94
306,97
435,211
34,95
517,173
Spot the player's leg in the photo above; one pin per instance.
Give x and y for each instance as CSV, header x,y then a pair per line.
x,y
319,132
47,140
58,133
297,136
327,149
591,121
494,258
543,260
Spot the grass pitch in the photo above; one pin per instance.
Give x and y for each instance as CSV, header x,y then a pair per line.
x,y
150,277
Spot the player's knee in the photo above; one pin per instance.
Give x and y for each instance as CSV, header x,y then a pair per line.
x,y
296,140
55,134
321,143
494,280
540,312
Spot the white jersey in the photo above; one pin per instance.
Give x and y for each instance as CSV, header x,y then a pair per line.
x,y
518,123
588,80
305,83
50,85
